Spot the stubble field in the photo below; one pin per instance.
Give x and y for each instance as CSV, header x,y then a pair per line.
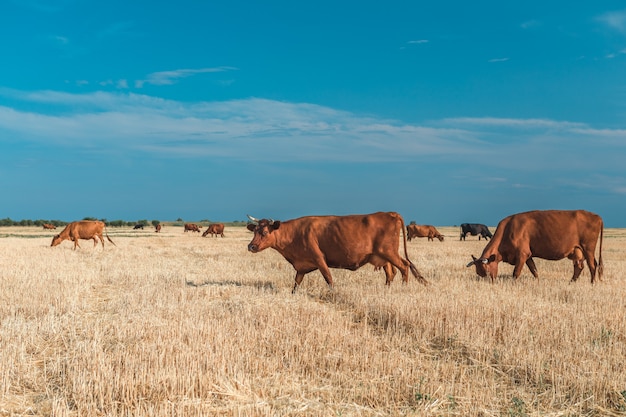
x,y
173,324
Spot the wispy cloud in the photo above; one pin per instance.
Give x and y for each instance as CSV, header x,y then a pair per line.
x,y
498,59
615,20
530,24
616,54
418,42
172,77
116,29
62,40
253,129
487,153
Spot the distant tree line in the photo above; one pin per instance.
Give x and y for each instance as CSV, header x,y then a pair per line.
x,y
112,223
39,222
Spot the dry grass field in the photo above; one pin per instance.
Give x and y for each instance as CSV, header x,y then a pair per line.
x,y
174,324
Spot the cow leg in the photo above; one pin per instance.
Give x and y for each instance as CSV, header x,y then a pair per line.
x,y
298,279
533,268
517,271
390,273
579,265
326,274
593,264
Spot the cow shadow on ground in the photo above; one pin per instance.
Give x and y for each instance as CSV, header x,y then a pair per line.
x,y
259,285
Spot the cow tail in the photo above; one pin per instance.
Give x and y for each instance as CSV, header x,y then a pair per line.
x,y
107,235
414,270
600,263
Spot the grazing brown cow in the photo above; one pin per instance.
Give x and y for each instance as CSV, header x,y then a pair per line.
x,y
214,229
551,234
84,229
347,242
416,230
193,227
157,228
48,226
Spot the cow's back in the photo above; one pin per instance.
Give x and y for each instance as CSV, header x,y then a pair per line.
x,y
353,238
86,229
550,234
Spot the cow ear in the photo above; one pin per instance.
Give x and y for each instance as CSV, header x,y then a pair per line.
x,y
492,258
251,227
276,224
473,261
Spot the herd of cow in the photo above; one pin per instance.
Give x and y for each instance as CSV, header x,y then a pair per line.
x,y
348,242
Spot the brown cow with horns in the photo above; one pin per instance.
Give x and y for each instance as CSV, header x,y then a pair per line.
x,y
346,242
84,229
551,234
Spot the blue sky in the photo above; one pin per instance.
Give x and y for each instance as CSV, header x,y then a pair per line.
x,y
446,112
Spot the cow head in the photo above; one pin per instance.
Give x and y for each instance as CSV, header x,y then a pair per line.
x,y
485,266
56,240
264,236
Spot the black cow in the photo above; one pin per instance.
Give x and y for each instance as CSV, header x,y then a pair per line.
x,y
138,226
475,229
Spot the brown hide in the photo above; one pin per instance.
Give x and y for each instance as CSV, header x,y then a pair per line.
x,y
85,229
416,230
193,227
346,242
551,235
157,228
214,230
48,226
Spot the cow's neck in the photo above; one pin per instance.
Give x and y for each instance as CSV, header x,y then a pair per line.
x,y
492,247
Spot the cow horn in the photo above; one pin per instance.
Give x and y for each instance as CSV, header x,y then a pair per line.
x,y
252,218
470,264
271,222
485,261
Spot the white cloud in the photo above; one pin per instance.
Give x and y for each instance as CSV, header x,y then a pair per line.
x,y
267,130
498,59
418,42
615,20
615,54
529,24
61,39
172,77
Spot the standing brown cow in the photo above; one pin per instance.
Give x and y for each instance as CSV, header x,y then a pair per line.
x,y
551,234
84,229
214,230
48,226
346,242
416,230
157,228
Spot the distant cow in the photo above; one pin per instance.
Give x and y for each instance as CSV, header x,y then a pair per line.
x,y
416,230
193,227
346,242
84,229
157,228
214,230
48,226
475,229
551,234
138,226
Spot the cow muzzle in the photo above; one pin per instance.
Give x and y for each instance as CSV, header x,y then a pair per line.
x,y
253,248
